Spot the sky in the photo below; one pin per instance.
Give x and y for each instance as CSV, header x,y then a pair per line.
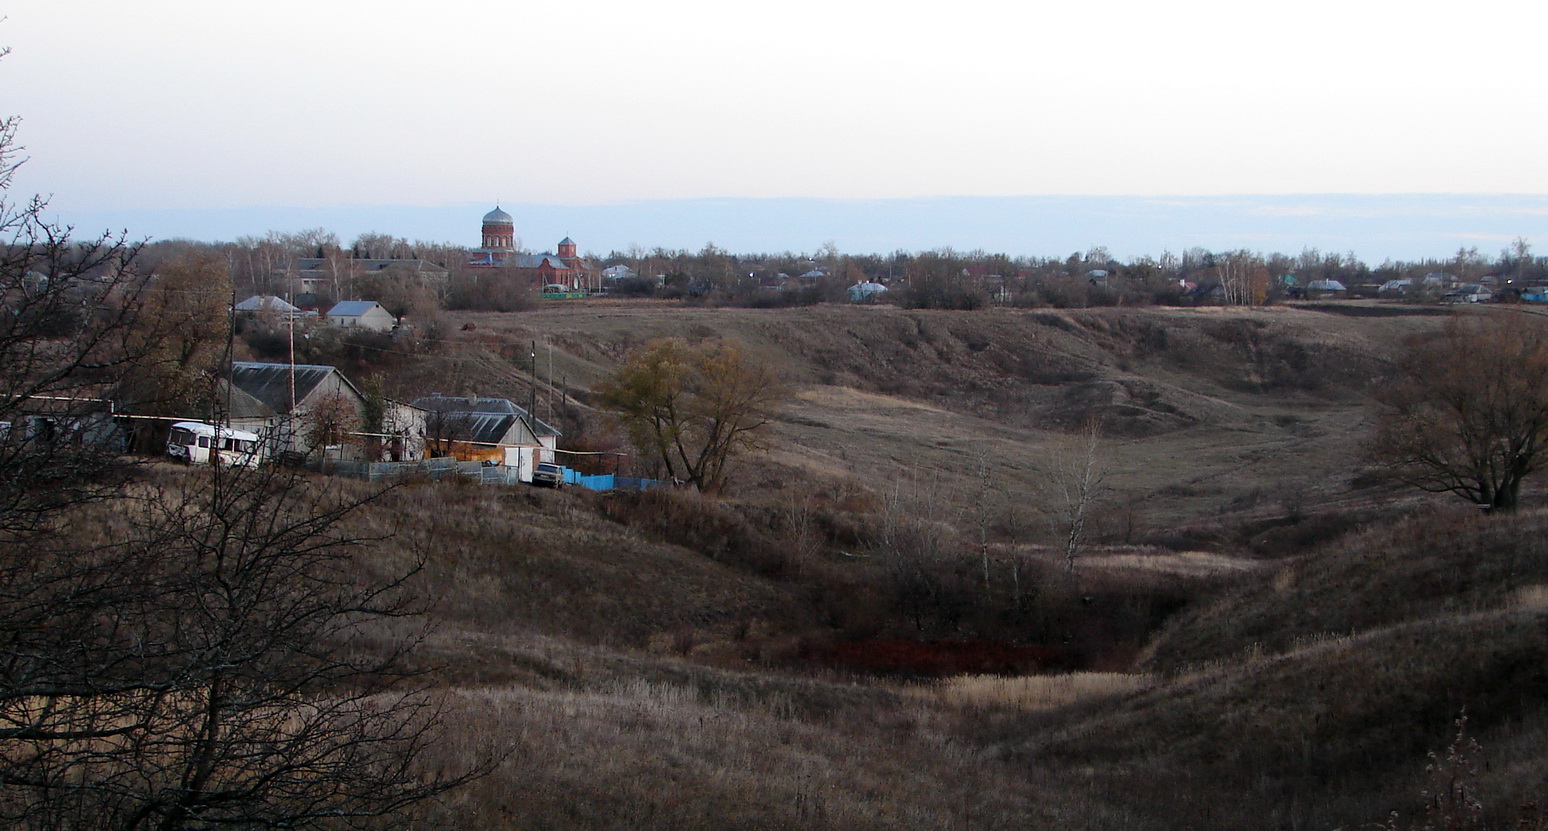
x,y
165,113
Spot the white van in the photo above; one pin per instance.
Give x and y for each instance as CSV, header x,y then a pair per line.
x,y
198,443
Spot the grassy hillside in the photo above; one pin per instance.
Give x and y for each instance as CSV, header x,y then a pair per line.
x,y
1262,635
1441,562
637,683
1204,409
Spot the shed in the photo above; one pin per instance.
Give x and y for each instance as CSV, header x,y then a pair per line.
x,y
473,428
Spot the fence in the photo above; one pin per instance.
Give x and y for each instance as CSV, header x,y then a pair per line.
x,y
485,474
377,471
610,482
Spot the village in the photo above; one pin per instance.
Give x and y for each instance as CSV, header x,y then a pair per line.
x,y
286,406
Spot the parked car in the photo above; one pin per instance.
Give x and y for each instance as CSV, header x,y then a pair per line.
x,y
549,475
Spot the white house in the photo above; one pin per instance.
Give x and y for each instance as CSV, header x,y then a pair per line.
x,y
297,408
362,314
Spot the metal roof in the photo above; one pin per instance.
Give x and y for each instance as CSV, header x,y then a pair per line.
x,y
536,261
308,265
265,303
269,384
352,308
484,416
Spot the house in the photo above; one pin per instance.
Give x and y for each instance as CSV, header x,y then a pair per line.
x,y
1395,288
361,314
865,290
1325,289
269,306
472,428
1468,293
73,417
314,410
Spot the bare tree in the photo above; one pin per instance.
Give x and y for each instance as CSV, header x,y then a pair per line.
x,y
983,508
65,341
1075,484
1468,411
219,665
1244,278
331,420
173,655
799,511
918,552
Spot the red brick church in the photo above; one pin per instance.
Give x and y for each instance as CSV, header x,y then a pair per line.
x,y
565,268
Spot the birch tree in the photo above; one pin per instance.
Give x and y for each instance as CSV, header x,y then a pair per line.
x,y
1076,483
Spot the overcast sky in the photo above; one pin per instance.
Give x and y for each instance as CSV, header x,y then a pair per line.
x,y
211,104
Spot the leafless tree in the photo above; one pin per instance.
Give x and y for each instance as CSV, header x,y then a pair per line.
x,y
924,561
174,655
1468,411
219,664
1244,278
179,337
983,507
799,511
332,419
65,341
1075,484
445,429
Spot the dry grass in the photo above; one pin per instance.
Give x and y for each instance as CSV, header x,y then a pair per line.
x,y
1349,719
631,660
1197,564
1437,563
1264,397
1029,693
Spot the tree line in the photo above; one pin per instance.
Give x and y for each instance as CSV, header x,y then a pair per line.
x,y
938,278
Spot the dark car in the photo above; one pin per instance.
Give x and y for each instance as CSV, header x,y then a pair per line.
x,y
548,475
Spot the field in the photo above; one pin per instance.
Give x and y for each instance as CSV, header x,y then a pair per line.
x,y
1261,632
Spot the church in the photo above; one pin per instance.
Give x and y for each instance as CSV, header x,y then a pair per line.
x,y
498,250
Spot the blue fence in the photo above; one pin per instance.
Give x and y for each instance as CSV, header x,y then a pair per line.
x,y
610,482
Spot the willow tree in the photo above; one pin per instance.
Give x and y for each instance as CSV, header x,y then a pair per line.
x,y
1468,411
691,408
